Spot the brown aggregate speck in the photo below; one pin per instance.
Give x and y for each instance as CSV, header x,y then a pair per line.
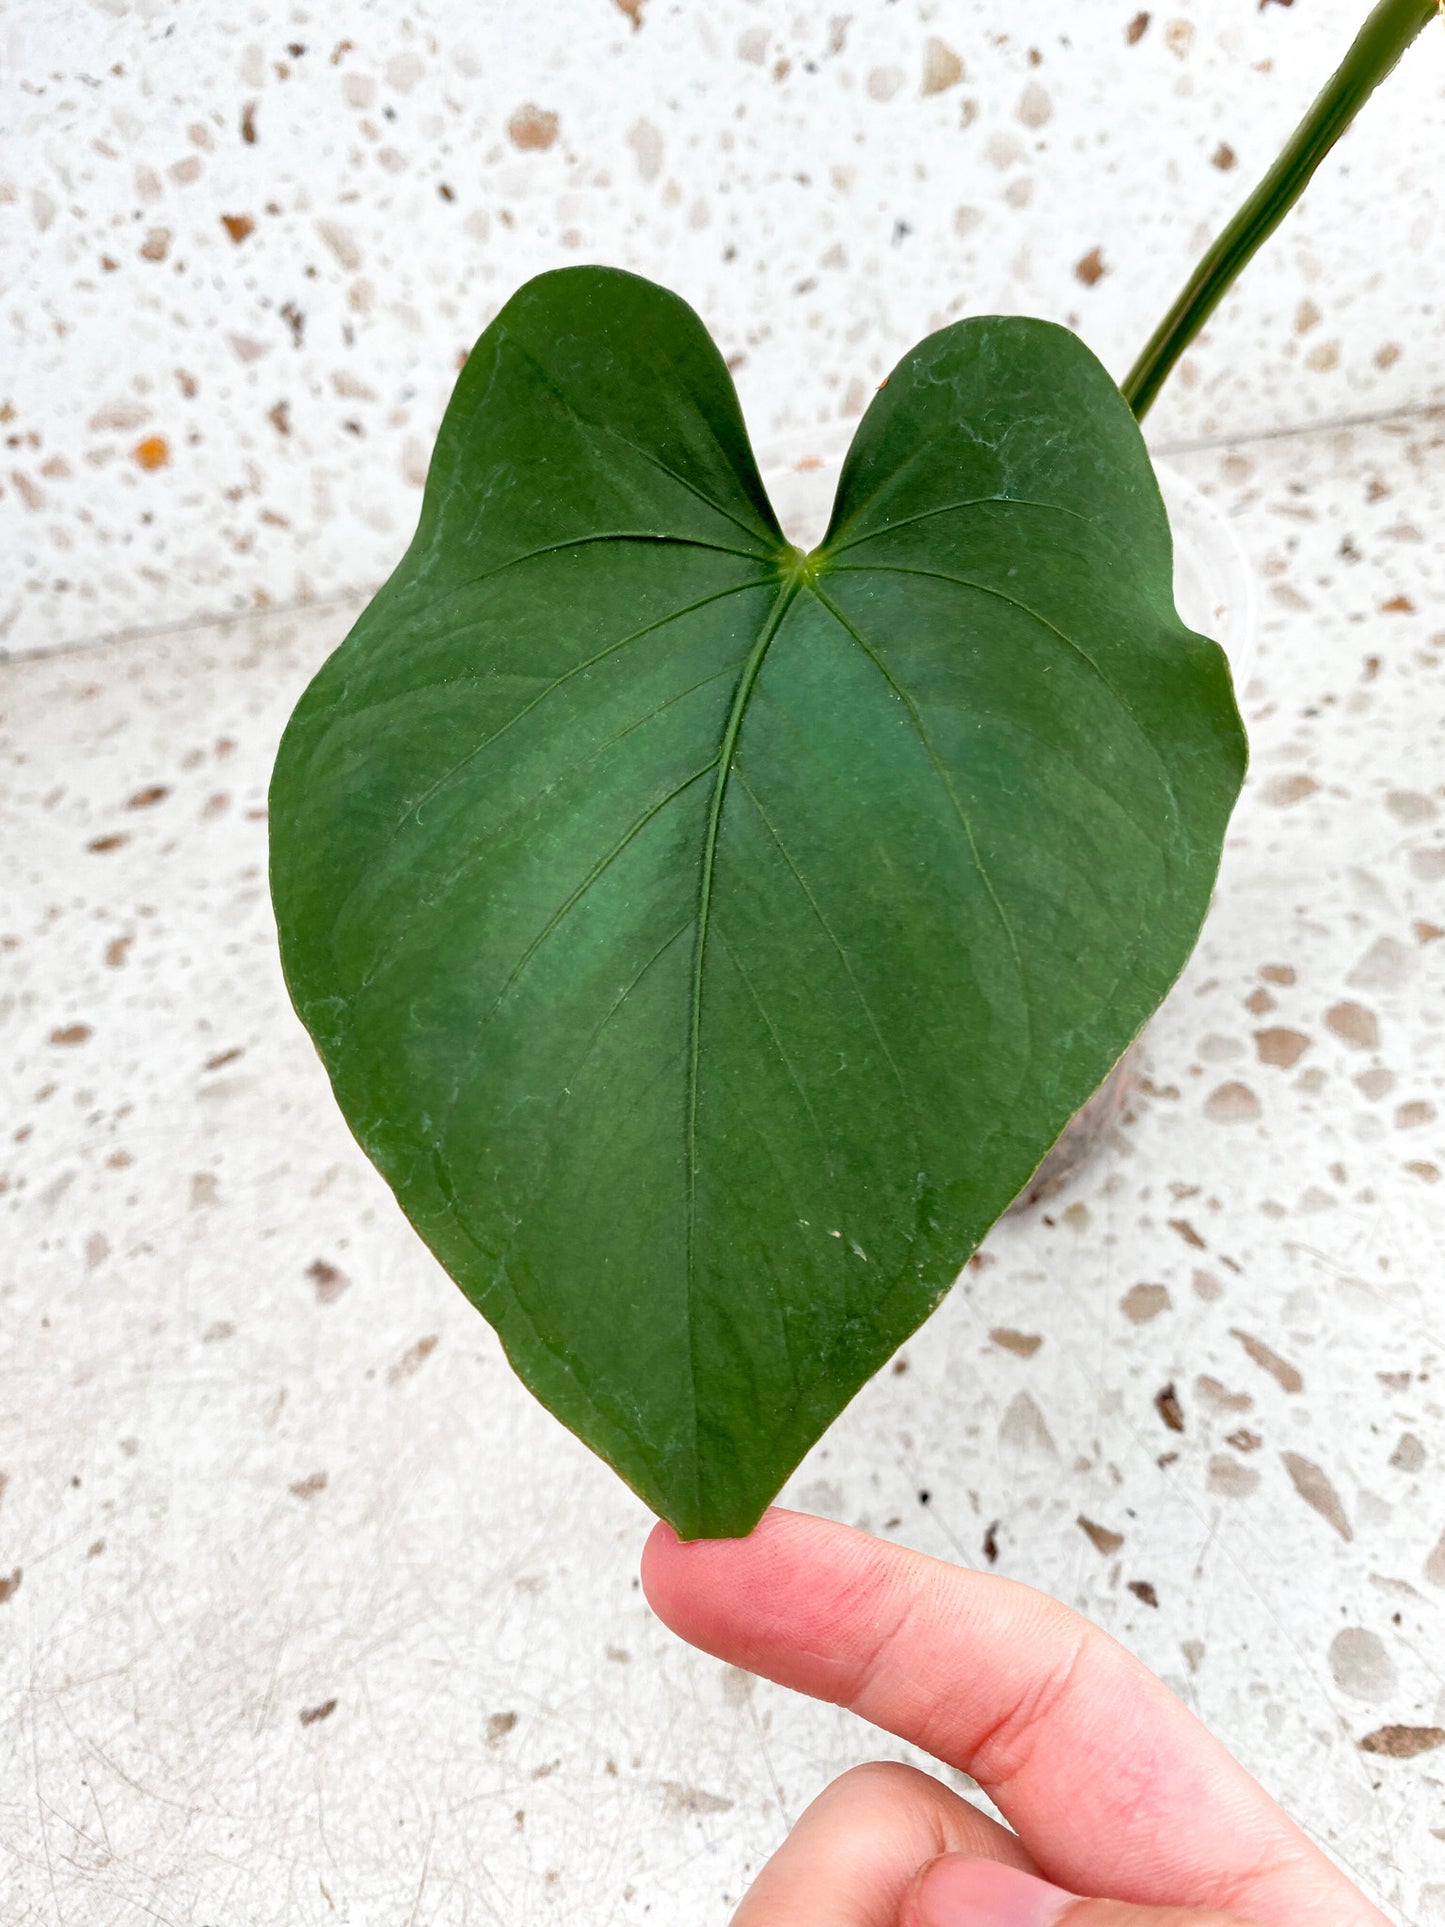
x,y
942,67
152,453
309,1715
532,128
1403,1742
499,1725
411,1360
1410,806
1219,1396
1280,1047
238,226
1283,974
330,1281
1035,108
679,1799
341,242
69,1034
1090,267
990,1543
1021,1344
633,10
1187,1232
1224,157
1141,1303
248,122
10,1585
1024,1429
1354,1025
1102,1538
1409,1454
1287,1376
1142,1589
1136,29
1313,1485
1166,1404
145,799
308,1487
1232,1103
1283,791
1229,1478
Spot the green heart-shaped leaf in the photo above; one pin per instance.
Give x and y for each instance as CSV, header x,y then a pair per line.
x,y
707,941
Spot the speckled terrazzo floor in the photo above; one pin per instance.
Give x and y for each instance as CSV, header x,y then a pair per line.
x,y
243,250
308,1613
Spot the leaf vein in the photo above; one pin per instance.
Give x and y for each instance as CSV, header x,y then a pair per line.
x,y
951,508
915,718
607,428
578,669
999,595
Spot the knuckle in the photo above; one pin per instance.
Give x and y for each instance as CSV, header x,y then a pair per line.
x,y
1003,1750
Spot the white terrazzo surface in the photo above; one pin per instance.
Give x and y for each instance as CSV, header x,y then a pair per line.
x,y
310,1615
307,1613
241,248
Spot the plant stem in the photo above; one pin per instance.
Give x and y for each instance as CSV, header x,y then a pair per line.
x,y
1379,44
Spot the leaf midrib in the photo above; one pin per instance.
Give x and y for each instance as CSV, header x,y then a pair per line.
x,y
788,590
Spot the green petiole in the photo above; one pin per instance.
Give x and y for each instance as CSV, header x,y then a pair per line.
x,y
1388,31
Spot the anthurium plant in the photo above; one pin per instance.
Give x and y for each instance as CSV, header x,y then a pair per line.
x,y
707,940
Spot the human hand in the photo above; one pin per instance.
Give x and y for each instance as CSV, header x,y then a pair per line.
x,y
1112,1788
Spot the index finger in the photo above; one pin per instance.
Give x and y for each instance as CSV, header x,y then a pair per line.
x,y
1111,1784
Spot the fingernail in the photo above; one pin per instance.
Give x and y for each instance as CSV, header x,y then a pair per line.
x,y
959,1892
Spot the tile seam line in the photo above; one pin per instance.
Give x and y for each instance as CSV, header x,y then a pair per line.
x,y
184,625
1335,424
336,598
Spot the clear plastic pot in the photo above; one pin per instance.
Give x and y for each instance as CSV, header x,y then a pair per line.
x,y
1214,592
